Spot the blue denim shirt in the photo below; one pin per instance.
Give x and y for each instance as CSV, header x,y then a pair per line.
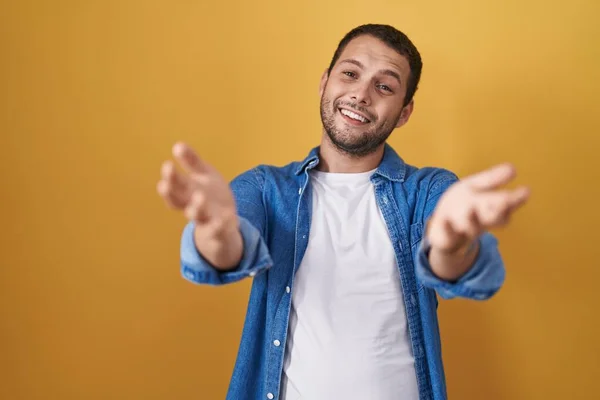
x,y
274,207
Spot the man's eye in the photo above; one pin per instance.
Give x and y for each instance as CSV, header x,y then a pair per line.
x,y
386,88
350,74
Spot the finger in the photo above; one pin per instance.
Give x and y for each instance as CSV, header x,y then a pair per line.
x,y
174,197
518,198
187,157
492,178
494,208
171,175
491,207
469,226
196,210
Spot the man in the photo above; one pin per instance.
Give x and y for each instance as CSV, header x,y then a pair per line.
x,y
347,247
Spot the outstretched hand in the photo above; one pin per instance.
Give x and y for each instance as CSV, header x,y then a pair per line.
x,y
472,206
205,198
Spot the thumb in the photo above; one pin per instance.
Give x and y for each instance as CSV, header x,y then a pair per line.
x,y
187,157
492,178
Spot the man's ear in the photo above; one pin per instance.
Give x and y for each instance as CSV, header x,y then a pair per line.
x,y
323,83
406,113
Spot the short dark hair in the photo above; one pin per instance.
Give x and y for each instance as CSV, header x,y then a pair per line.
x,y
394,39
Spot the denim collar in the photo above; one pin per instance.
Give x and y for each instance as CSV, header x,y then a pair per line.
x,y
392,166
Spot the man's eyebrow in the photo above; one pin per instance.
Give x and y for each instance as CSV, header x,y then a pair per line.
x,y
391,73
353,61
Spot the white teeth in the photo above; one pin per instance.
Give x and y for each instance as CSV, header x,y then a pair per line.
x,y
352,115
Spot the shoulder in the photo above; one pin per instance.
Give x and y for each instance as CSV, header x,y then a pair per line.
x,y
262,174
412,178
433,180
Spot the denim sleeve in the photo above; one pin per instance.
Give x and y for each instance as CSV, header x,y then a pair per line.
x,y
248,191
487,274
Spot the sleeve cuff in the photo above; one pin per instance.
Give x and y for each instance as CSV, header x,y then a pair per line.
x,y
481,282
195,268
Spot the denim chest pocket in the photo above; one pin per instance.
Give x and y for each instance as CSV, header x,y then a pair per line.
x,y
416,234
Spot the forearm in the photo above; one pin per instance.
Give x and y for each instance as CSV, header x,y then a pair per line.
x,y
223,251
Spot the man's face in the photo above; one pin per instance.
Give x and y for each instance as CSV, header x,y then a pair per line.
x,y
362,98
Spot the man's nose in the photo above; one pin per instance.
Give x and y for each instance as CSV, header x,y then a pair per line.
x,y
361,94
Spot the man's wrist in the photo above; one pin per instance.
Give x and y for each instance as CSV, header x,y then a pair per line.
x,y
462,248
451,263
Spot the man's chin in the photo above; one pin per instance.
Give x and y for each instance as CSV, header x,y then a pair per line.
x,y
352,148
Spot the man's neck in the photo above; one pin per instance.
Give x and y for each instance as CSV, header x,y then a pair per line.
x,y
334,160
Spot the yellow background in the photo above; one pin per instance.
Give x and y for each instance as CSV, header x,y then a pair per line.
x,y
93,94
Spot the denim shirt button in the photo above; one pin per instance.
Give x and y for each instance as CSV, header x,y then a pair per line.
x,y
189,274
277,343
287,289
270,396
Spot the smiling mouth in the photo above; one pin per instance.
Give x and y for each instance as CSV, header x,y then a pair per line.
x,y
353,117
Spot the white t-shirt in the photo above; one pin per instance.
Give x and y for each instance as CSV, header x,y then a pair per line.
x,y
348,334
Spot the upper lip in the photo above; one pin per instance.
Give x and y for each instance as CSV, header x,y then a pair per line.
x,y
355,112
